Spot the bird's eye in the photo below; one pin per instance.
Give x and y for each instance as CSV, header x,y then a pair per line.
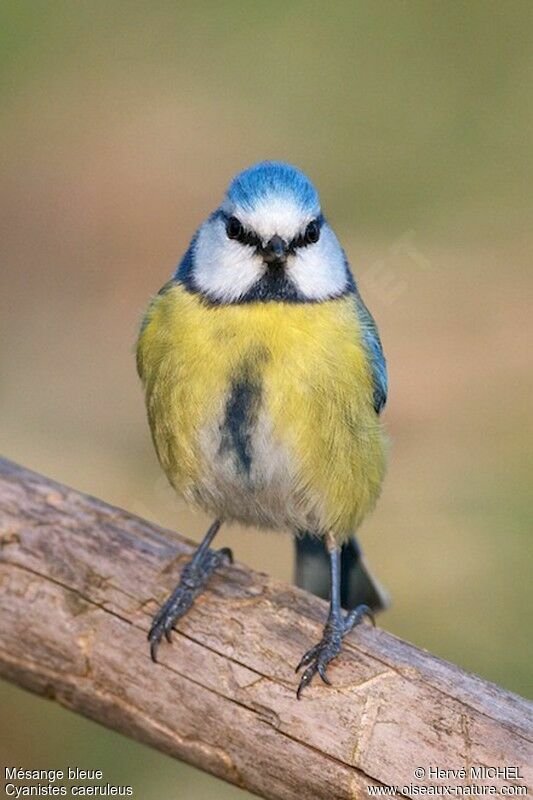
x,y
312,232
234,228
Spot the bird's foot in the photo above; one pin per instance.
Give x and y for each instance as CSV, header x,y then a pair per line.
x,y
318,657
192,582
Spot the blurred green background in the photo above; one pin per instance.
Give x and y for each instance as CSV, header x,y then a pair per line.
x,y
121,124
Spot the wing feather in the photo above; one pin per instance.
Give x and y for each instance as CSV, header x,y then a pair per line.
x,y
374,350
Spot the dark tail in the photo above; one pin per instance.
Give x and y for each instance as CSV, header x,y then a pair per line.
x,y
357,584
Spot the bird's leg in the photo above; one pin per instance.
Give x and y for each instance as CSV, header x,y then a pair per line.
x,y
192,582
337,626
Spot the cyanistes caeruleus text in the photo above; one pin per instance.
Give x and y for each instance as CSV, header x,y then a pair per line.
x,y
264,378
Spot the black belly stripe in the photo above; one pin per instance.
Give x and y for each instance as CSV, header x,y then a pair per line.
x,y
242,411
241,414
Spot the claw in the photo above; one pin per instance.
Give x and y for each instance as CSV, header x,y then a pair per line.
x,y
356,615
307,658
309,673
153,649
193,579
318,657
227,552
305,681
321,668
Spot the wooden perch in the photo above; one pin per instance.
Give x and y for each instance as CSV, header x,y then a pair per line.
x,y
79,582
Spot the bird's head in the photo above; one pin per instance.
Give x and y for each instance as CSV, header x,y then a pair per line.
x,y
267,241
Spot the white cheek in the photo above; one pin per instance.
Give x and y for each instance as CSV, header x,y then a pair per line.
x,y
319,270
224,269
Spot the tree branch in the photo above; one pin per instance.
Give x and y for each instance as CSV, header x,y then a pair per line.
x,y
79,581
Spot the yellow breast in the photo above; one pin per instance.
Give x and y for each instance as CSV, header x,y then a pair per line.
x,y
312,391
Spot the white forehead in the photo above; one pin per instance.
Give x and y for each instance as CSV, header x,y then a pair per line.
x,y
273,214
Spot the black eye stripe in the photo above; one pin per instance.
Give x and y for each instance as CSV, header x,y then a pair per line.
x,y
312,232
235,230
311,235
250,239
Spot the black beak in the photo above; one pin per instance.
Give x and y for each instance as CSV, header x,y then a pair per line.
x,y
275,252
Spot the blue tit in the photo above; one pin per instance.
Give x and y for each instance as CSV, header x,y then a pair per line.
x,y
264,379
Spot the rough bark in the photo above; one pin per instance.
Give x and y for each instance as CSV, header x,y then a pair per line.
x,y
79,581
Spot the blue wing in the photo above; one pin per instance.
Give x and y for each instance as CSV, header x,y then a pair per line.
x,y
374,350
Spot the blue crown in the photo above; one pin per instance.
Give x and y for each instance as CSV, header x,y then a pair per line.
x,y
268,178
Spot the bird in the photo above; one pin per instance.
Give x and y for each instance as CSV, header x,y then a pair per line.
x,y
264,380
